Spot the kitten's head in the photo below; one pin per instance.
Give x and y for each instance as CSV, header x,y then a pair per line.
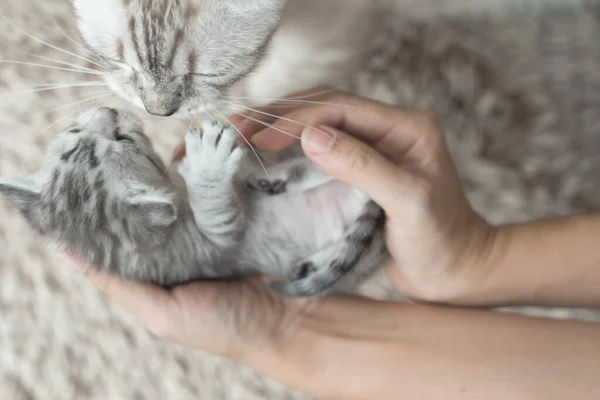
x,y
101,189
177,57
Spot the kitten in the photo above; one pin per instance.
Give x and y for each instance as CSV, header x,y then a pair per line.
x,y
105,195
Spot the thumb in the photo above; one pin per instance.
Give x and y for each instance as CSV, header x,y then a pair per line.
x,y
358,164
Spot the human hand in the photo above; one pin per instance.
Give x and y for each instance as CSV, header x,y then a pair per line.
x,y
353,348
399,158
240,320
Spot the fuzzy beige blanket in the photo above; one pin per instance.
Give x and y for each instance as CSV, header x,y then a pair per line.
x,y
60,339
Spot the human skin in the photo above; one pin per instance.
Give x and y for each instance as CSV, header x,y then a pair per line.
x,y
442,252
353,348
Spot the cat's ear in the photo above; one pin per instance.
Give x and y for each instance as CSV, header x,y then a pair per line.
x,y
151,217
153,211
21,195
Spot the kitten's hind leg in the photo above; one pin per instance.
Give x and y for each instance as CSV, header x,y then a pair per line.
x,y
292,176
209,169
342,265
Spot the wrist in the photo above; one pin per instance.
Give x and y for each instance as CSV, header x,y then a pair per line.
x,y
552,262
467,273
347,348
482,282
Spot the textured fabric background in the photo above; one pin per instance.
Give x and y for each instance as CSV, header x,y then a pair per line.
x,y
60,339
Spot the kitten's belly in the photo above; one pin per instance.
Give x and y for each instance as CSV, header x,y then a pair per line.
x,y
286,228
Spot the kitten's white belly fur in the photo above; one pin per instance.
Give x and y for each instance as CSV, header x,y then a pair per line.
x,y
306,221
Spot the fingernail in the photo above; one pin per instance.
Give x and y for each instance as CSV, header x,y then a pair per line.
x,y
239,124
260,139
318,141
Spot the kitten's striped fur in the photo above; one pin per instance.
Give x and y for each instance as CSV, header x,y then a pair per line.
x,y
104,195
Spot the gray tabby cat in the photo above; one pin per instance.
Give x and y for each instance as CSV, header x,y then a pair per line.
x,y
105,195
184,58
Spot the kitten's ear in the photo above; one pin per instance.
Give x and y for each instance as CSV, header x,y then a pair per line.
x,y
153,210
155,213
21,195
151,218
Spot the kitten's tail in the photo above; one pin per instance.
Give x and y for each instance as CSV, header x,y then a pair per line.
x,y
322,271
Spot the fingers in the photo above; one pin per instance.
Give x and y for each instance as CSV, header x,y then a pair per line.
x,y
253,121
277,139
153,306
250,122
388,129
358,164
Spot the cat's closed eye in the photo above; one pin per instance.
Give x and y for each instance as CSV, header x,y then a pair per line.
x,y
123,138
205,74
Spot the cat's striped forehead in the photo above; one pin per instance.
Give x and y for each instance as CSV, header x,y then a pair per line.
x,y
156,39
166,9
177,57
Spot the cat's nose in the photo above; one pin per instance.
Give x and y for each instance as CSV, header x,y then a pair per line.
x,y
163,103
160,110
103,120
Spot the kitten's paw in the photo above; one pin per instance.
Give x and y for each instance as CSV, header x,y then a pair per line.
x,y
211,153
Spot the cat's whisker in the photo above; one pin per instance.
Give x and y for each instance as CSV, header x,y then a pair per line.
x,y
104,95
57,61
273,115
271,126
48,88
278,117
296,101
49,67
49,84
61,62
49,44
58,26
40,133
78,44
249,144
319,93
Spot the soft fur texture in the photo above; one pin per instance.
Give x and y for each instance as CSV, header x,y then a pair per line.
x,y
105,196
525,143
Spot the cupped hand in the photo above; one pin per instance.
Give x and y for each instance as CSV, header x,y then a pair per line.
x,y
240,320
399,158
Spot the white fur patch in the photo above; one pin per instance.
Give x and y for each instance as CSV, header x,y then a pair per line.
x,y
102,26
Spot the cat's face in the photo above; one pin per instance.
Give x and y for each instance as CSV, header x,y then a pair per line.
x,y
177,57
101,185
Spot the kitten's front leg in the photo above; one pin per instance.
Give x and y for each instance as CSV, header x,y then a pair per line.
x,y
212,161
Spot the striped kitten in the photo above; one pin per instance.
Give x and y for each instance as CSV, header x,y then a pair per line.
x,y
186,58
105,195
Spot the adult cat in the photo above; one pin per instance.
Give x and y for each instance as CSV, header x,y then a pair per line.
x,y
188,57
